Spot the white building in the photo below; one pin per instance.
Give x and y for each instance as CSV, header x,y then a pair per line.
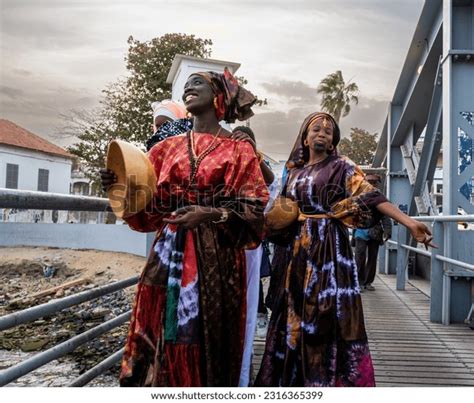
x,y
29,162
183,66
81,186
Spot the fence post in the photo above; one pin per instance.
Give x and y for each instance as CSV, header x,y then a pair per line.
x,y
446,306
381,259
402,255
437,274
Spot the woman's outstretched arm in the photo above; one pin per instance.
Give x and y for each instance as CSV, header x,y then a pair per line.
x,y
418,230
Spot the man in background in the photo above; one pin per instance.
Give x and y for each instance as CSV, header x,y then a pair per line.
x,y
367,242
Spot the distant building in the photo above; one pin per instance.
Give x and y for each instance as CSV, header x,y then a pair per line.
x,y
29,162
81,185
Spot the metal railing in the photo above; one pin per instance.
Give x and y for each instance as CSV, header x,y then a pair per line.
x,y
16,371
442,267
36,312
99,369
53,201
30,314
441,270
28,199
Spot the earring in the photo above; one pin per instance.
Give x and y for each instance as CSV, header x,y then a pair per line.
x,y
216,105
306,142
331,147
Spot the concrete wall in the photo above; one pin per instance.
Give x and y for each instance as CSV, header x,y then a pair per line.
x,y
29,162
107,237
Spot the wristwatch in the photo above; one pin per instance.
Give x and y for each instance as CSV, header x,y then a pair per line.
x,y
224,217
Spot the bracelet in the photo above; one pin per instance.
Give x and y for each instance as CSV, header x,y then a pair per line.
x,y
224,217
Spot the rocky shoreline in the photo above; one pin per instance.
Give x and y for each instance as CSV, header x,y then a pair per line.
x,y
23,341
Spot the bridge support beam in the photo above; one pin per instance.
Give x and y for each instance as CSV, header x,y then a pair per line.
x,y
458,140
402,259
437,275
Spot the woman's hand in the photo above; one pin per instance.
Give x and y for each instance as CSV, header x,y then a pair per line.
x,y
107,178
191,216
421,233
418,230
241,136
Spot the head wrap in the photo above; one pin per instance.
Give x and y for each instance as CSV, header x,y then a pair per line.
x,y
232,100
168,108
300,153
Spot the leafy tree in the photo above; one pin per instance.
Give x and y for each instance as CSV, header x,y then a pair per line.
x,y
128,100
94,131
125,111
337,96
360,147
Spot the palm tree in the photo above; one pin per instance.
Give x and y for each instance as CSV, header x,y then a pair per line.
x,y
337,95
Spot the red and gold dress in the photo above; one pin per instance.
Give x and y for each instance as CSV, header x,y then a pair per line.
x,y
187,325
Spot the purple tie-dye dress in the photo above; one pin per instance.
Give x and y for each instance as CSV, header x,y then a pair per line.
x,y
316,335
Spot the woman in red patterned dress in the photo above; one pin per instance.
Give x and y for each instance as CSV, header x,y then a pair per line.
x,y
187,325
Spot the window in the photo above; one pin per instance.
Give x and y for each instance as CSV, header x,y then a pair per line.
x,y
80,188
43,179
12,176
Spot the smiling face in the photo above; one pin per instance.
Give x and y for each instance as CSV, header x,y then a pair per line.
x,y
198,96
320,135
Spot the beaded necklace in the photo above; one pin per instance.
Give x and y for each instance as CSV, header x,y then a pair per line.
x,y
195,159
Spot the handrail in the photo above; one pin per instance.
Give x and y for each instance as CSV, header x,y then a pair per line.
x,y
48,308
466,266
22,199
100,368
458,263
445,218
33,313
29,199
16,371
417,250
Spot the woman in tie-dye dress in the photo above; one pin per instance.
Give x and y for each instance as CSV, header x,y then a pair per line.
x,y
316,335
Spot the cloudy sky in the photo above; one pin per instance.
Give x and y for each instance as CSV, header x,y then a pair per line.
x,y
57,55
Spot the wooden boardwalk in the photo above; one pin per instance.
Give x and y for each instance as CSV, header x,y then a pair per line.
x,y
407,349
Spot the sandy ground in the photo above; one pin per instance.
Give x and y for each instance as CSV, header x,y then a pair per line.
x,y
22,269
86,262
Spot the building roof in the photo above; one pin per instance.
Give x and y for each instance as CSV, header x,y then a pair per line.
x,y
178,59
16,136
